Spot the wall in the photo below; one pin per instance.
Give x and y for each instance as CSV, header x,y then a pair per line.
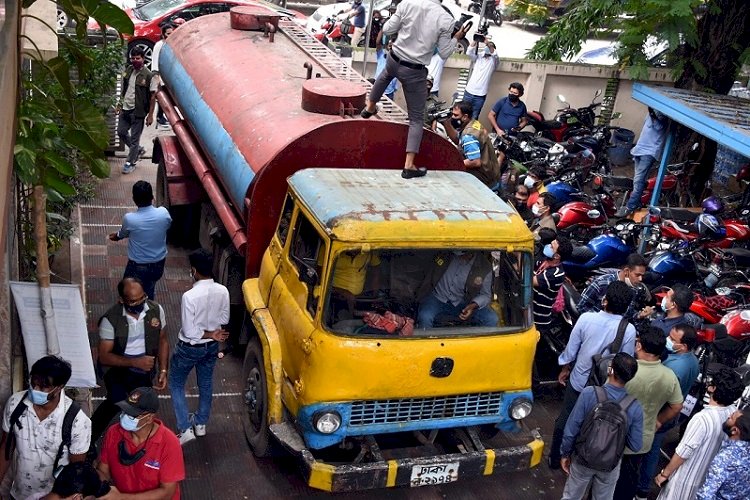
x,y
543,81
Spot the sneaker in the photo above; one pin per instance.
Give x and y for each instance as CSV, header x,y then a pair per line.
x,y
200,430
186,436
141,152
128,168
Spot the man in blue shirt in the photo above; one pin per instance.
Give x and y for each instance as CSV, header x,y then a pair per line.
x,y
357,15
681,341
676,304
623,369
592,333
381,56
509,114
646,151
146,229
728,475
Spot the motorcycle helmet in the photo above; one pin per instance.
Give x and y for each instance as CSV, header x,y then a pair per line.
x,y
744,173
710,227
555,153
712,205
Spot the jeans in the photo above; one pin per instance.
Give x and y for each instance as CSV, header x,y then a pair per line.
x,y
580,476
149,274
627,484
477,102
129,130
431,308
640,176
184,358
414,83
569,401
649,464
119,382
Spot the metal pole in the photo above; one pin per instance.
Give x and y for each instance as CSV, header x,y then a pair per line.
x,y
481,13
367,38
669,144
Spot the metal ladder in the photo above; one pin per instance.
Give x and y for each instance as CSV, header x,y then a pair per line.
x,y
463,79
608,101
337,68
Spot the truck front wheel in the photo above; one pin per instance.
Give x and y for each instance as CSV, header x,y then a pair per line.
x,y
255,418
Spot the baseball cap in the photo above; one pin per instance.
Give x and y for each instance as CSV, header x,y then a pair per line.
x,y
139,401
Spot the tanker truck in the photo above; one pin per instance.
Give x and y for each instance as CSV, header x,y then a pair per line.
x,y
329,254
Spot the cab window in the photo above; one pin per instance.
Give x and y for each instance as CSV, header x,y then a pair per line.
x,y
285,220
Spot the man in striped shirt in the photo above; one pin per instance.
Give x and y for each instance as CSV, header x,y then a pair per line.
x,y
729,476
471,137
685,472
548,279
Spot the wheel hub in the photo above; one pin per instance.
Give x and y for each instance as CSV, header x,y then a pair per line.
x,y
254,397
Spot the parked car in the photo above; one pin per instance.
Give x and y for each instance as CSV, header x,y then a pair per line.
x,y
149,17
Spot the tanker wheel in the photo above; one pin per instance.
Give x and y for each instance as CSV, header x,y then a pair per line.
x,y
255,417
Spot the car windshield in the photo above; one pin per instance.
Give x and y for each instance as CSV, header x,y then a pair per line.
x,y
157,8
429,293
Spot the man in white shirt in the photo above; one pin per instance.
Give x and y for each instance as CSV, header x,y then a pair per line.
x,y
205,308
421,26
166,30
485,63
37,434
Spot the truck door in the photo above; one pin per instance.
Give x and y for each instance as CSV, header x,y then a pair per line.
x,y
296,291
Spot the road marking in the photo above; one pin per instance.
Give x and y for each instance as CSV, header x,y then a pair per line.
x,y
168,396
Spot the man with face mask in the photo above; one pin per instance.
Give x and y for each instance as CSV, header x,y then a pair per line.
x,y
548,278
676,306
205,308
520,197
357,15
542,211
632,274
135,105
33,430
480,159
133,349
728,475
681,341
509,113
484,64
141,458
685,472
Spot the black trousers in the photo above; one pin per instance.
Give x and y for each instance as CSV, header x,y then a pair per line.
x,y
119,382
627,483
569,401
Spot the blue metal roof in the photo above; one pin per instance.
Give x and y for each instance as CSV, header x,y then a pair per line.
x,y
723,119
382,195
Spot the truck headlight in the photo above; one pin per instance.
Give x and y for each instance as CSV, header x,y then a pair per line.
x,y
520,409
327,423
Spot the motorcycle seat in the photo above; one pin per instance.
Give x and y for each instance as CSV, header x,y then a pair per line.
x,y
678,214
582,254
572,296
619,182
683,227
552,124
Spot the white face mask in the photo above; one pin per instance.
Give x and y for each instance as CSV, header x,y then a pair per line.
x,y
535,210
628,282
529,182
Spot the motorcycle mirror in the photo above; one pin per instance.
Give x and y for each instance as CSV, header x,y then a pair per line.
x,y
598,92
561,98
593,214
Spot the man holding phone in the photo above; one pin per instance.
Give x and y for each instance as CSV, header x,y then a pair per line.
x,y
205,308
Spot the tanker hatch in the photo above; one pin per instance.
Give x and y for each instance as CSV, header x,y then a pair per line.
x,y
254,18
331,96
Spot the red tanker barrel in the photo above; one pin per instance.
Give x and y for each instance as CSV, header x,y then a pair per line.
x,y
242,98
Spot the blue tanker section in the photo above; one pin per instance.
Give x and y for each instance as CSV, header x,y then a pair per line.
x,y
231,165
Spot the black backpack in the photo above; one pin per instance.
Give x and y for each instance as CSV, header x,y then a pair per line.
x,y
600,362
601,442
67,429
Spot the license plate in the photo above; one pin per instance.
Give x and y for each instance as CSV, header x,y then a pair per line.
x,y
688,405
572,119
425,475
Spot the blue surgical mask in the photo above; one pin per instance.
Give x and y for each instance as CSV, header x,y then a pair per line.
x,y
40,398
128,423
487,51
670,344
548,251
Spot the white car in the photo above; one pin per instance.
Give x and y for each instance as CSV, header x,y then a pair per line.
x,y
318,18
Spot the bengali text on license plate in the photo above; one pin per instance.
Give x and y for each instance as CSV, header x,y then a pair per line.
x,y
424,475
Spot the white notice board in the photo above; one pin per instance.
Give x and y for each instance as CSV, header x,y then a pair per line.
x,y
70,319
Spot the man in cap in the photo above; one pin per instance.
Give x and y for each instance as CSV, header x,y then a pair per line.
x,y
140,455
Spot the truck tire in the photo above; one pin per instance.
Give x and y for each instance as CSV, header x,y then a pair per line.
x,y
255,417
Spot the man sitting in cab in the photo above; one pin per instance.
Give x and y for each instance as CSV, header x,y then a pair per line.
x,y
349,278
460,290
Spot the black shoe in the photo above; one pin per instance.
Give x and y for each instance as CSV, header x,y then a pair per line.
x,y
623,212
553,464
367,114
410,173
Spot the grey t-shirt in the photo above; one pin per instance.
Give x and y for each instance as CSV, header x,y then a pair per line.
x,y
128,101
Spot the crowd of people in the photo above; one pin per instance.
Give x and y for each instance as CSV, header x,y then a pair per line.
x,y
54,450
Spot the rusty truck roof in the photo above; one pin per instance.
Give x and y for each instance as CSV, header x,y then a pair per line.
x,y
359,197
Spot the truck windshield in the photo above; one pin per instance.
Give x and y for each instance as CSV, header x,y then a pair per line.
x,y
428,293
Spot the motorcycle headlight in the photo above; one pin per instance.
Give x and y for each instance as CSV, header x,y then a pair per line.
x,y
520,409
328,422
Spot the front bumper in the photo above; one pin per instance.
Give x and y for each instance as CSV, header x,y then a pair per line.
x,y
398,472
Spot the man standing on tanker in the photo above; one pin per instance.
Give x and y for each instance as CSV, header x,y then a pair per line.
x,y
421,25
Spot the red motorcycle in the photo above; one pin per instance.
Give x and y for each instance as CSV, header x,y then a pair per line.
x,y
568,121
713,308
679,224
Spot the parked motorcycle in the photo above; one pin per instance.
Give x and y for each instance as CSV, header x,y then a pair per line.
x,y
568,121
492,10
610,249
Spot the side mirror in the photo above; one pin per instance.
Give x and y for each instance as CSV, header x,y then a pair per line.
x,y
598,92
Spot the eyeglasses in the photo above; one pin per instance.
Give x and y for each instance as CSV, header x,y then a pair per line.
x,y
126,458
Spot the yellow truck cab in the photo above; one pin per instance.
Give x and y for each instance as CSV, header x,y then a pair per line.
x,y
346,367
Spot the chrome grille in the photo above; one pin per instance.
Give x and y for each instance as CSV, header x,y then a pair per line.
x,y
390,411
